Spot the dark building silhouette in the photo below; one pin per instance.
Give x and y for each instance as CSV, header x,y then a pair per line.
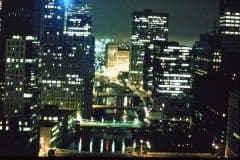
x,y
16,19
229,31
216,71
233,131
19,59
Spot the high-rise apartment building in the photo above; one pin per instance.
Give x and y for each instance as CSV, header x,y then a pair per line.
x,y
146,27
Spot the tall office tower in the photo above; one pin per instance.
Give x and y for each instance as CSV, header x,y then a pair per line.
x,y
0,17
79,45
21,90
78,20
52,19
233,131
229,20
17,49
206,55
1,62
167,71
146,27
67,59
229,30
16,19
51,33
117,59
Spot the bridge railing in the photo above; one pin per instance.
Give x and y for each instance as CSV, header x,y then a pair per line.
x,y
92,123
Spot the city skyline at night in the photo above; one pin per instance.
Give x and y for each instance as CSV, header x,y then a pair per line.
x,y
187,18
119,78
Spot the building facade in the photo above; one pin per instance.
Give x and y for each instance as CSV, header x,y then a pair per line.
x,y
233,132
229,31
117,59
67,56
78,20
167,71
146,27
206,55
229,19
12,14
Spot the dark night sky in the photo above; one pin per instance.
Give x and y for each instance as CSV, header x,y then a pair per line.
x,y
187,18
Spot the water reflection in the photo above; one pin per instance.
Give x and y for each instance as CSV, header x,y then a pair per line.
x,y
91,145
101,148
80,145
113,146
101,144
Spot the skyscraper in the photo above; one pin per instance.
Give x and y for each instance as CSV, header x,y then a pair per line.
x,y
146,27
52,19
207,55
216,57
167,70
13,13
0,17
229,20
233,131
78,20
1,65
229,31
19,56
67,56
20,75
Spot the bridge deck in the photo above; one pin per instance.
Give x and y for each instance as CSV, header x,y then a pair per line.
x,y
129,124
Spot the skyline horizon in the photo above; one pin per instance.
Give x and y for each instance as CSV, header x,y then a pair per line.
x,y
181,29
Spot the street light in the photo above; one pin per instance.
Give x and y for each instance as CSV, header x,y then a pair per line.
x,y
148,145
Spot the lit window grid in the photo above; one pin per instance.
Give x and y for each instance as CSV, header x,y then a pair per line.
x,y
142,23
15,78
176,77
56,86
229,23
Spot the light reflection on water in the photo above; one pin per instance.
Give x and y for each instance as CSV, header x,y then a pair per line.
x,y
102,144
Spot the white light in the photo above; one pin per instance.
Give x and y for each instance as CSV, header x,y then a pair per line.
x,y
224,115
